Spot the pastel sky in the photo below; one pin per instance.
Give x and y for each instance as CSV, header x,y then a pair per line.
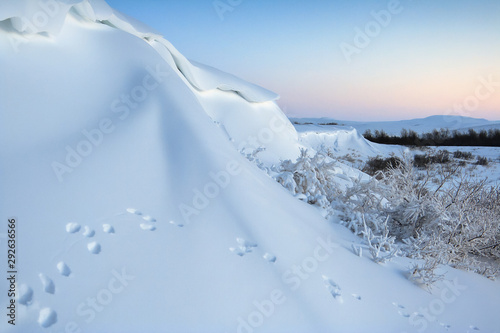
x,y
426,57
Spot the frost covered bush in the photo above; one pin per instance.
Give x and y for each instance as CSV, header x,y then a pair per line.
x,y
380,245
441,215
425,274
454,220
309,177
316,179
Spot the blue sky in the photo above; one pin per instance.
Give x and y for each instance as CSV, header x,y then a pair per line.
x,y
422,57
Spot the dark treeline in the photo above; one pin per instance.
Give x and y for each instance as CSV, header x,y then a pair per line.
x,y
442,137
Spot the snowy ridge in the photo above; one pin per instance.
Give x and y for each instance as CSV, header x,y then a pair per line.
x,y
343,140
204,78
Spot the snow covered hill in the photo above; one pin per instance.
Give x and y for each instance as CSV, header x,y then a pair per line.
x,y
134,209
423,125
343,140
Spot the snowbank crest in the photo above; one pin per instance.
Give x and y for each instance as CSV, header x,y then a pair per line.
x,y
49,17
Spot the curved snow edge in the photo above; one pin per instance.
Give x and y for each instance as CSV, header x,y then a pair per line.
x,y
48,16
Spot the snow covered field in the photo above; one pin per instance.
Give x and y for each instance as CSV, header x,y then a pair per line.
x,y
128,203
423,125
349,146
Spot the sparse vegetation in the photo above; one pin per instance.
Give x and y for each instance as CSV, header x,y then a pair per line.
x,y
482,161
462,155
441,157
421,161
377,164
433,157
444,216
442,137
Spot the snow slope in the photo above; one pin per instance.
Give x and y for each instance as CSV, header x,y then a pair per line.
x,y
422,125
135,211
343,140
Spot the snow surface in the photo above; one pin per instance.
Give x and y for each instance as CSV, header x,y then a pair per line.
x,y
342,140
349,146
203,240
422,125
346,142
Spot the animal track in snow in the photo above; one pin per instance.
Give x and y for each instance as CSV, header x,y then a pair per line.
x,y
474,328
94,247
108,228
418,314
356,296
47,283
445,326
398,305
47,317
25,295
401,309
63,269
149,218
403,314
269,257
88,232
72,227
134,211
180,225
243,248
145,226
333,288
237,250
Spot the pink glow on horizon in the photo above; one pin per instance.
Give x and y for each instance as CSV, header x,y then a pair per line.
x,y
417,98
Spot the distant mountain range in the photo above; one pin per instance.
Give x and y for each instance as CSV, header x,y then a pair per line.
x,y
421,125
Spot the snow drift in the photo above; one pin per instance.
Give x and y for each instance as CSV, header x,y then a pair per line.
x,y
136,212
